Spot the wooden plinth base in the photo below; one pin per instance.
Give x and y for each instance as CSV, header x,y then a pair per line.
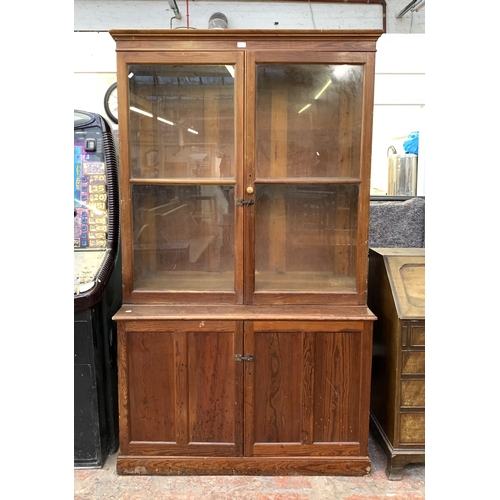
x,y
248,466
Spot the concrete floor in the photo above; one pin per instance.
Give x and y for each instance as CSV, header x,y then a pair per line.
x,y
104,483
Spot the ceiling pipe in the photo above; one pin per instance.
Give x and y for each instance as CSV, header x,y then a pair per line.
x,y
418,6
174,8
411,6
217,21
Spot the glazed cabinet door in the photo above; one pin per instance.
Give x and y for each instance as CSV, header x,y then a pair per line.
x,y
308,152
181,166
180,388
307,388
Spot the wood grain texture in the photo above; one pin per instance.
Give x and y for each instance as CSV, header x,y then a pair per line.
x,y
184,388
136,313
151,396
304,389
262,466
280,41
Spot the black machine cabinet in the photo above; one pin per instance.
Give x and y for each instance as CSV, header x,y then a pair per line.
x,y
97,289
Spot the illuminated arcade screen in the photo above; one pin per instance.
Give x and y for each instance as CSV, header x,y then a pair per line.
x,y
90,207
90,200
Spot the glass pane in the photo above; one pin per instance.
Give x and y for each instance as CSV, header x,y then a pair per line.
x,y
305,238
308,120
183,237
181,121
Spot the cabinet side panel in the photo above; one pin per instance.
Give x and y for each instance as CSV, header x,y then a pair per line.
x,y
337,386
151,395
386,349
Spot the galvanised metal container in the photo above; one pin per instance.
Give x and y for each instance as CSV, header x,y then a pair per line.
x,y
402,175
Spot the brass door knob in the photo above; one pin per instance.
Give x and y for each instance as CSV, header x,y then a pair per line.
x,y
250,190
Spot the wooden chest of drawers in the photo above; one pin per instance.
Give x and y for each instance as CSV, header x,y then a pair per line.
x,y
396,294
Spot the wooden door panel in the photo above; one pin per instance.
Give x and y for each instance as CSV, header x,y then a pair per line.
x,y
303,388
152,393
211,387
337,386
277,387
184,392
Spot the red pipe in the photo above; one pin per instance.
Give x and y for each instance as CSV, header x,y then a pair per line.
x,y
187,13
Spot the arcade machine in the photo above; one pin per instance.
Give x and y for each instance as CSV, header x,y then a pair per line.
x,y
97,290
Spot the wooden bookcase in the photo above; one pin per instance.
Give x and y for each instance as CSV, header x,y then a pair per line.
x,y
244,336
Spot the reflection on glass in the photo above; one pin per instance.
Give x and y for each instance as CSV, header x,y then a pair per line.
x,y
183,237
181,121
308,120
305,237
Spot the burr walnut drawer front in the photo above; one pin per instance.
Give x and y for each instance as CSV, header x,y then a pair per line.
x,y
412,428
413,393
413,362
416,335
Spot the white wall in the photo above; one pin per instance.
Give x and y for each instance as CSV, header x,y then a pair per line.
x,y
94,70
399,103
108,14
240,15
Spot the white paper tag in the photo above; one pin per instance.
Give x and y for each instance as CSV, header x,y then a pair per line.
x,y
241,44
